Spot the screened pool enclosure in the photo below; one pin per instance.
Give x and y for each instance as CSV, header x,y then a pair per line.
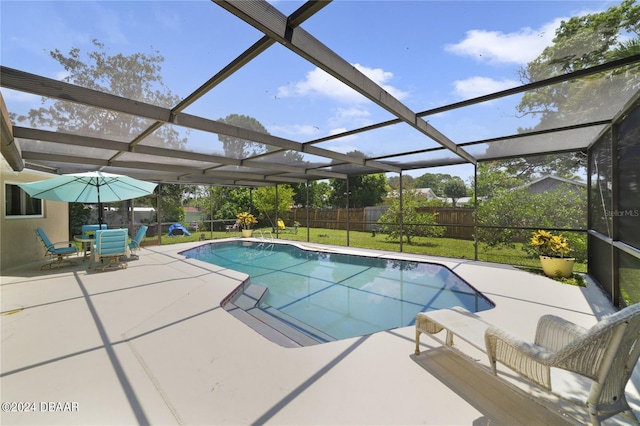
x,y
180,138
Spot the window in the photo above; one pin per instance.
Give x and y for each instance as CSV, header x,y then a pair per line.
x,y
18,203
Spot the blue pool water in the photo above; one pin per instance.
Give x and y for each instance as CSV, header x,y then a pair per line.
x,y
335,296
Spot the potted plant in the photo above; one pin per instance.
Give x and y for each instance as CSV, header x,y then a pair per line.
x,y
554,253
246,220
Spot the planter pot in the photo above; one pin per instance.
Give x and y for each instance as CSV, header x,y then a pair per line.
x,y
554,266
246,233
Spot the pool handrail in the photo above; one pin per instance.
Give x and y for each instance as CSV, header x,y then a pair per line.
x,y
261,232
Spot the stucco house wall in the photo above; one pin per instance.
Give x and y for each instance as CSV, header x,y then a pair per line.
x,y
18,242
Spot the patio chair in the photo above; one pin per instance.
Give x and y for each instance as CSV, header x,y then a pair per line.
x,y
111,245
57,255
606,353
88,236
283,228
89,230
134,245
233,227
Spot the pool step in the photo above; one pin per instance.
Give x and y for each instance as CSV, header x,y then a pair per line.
x,y
250,296
259,326
268,321
297,325
292,333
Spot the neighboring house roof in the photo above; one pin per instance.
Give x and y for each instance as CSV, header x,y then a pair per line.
x,y
547,177
427,192
430,195
550,183
462,201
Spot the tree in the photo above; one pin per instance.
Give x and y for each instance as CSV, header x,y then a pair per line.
x,y
264,200
319,192
190,194
364,191
223,202
455,189
408,182
560,165
136,76
580,42
79,215
171,203
509,209
435,181
416,223
513,172
242,148
493,177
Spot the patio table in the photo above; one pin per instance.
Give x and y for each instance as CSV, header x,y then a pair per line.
x,y
86,245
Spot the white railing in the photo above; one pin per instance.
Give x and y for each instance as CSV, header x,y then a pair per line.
x,y
262,234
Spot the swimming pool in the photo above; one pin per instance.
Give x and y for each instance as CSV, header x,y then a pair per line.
x,y
319,296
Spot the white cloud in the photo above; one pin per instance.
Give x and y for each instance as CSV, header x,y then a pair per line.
x,y
353,116
478,86
61,75
518,47
318,82
306,130
350,113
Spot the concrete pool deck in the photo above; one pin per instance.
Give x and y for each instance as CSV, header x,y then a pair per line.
x,y
150,344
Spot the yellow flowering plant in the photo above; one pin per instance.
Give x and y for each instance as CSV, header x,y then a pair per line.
x,y
547,244
246,220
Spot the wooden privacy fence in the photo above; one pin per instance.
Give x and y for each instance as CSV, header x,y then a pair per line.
x,y
458,222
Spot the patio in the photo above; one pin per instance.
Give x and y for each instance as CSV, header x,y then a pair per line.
x,y
151,345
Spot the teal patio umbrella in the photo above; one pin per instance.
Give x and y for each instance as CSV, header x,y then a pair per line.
x,y
89,187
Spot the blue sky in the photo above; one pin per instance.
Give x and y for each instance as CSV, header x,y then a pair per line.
x,y
426,53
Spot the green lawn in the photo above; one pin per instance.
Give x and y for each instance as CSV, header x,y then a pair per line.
x,y
630,284
446,247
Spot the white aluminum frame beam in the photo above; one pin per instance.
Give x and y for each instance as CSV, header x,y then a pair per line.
x,y
269,20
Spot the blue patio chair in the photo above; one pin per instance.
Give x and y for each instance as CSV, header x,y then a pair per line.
x,y
88,234
57,255
134,245
111,245
89,230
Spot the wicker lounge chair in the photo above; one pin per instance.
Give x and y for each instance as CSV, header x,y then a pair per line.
x,y
605,353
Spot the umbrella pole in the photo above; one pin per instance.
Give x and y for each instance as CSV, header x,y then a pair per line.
x,y
99,207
